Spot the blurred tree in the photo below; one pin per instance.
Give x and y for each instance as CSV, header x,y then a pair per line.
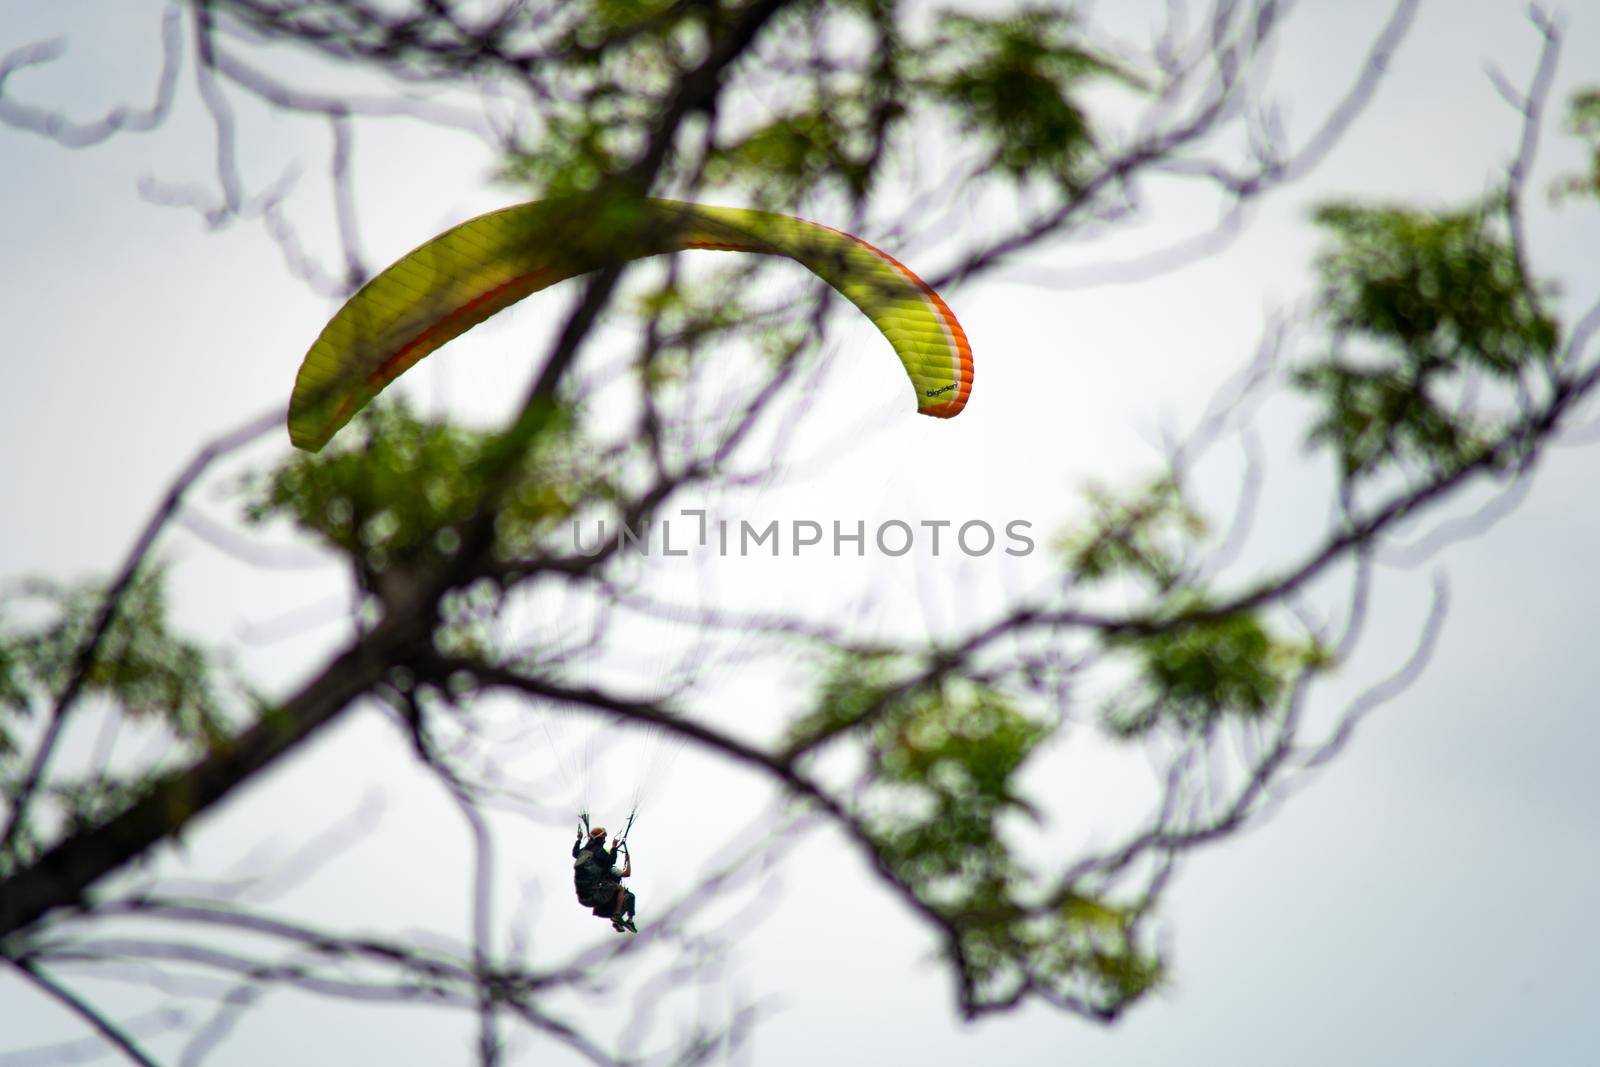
x,y
1435,362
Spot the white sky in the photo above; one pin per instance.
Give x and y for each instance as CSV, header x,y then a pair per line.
x,y
1427,899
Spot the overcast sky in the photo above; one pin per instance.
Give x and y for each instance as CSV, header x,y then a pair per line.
x,y
1426,900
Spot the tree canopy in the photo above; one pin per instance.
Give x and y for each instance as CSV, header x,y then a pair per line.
x,y
492,569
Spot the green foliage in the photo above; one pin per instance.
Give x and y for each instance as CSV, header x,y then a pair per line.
x,y
87,802
1438,289
943,753
1083,947
828,143
836,119
686,318
611,64
1583,122
393,491
15,699
609,20
1375,415
1193,674
948,753
144,669
849,694
1009,81
576,153
1437,296
1191,669
1147,536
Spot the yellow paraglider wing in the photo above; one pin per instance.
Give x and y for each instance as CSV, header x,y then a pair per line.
x,y
445,287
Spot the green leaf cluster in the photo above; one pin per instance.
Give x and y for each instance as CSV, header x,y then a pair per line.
x,y
611,65
141,671
393,492
1200,669
948,753
828,143
575,153
89,801
943,754
1010,80
1083,947
1435,296
1147,536
686,318
838,90
141,666
1583,122
1191,667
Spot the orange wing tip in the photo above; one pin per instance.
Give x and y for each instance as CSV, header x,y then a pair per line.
x,y
948,410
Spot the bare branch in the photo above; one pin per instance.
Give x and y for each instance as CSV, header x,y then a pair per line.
x,y
168,507
114,1035
70,134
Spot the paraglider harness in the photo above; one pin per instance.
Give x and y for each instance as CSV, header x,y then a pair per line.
x,y
593,863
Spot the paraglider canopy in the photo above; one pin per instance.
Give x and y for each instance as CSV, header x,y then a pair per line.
x,y
458,279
